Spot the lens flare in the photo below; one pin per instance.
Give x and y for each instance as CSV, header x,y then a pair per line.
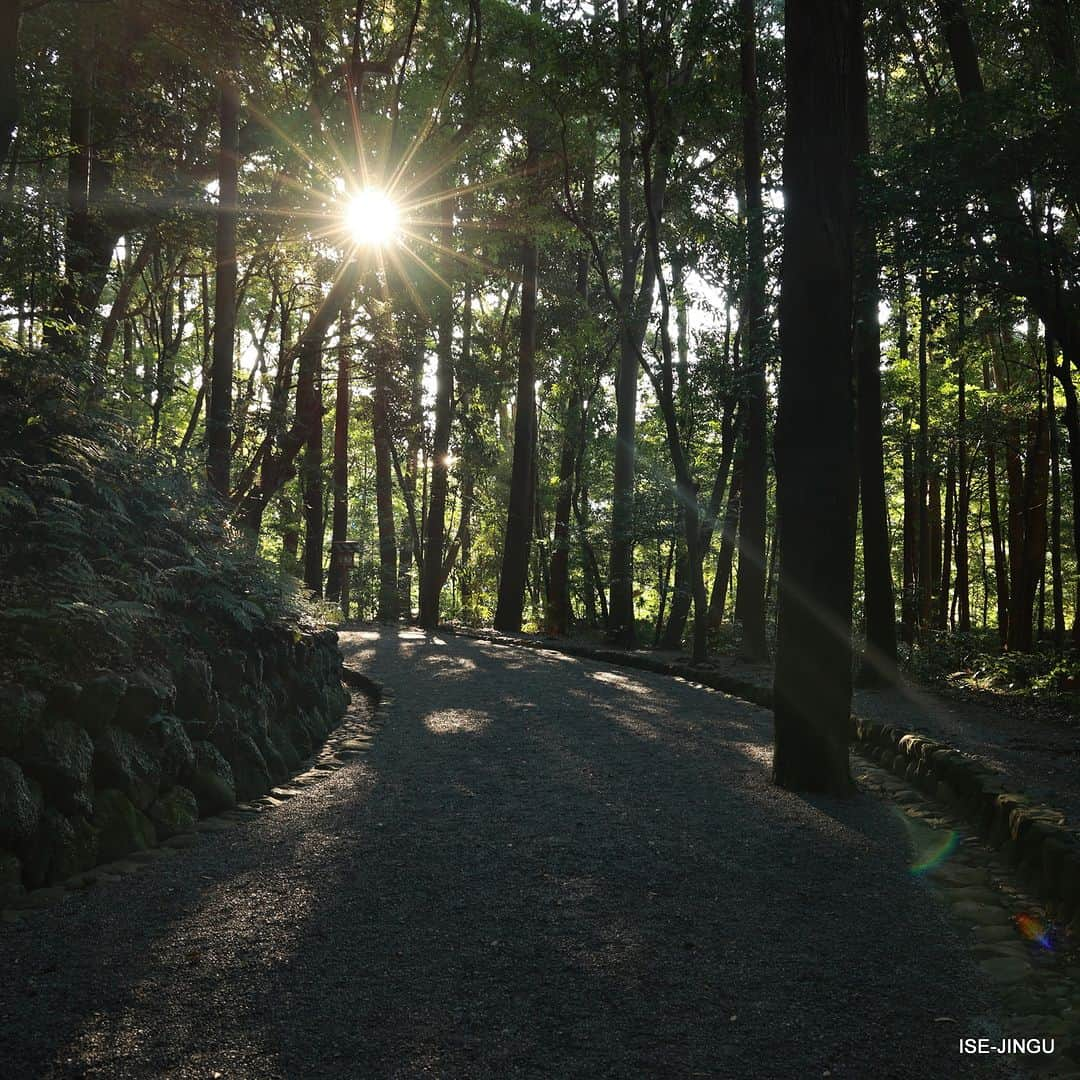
x,y
1033,929
932,855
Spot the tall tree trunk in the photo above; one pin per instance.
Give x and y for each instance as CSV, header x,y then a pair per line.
x,y
945,577
1028,477
339,527
219,413
729,528
963,493
558,598
621,627
879,659
559,613
311,487
924,579
410,552
1056,578
1070,417
1001,574
383,356
815,440
750,586
519,516
936,536
431,581
290,535
909,605
309,413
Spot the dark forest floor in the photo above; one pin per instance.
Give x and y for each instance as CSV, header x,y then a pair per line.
x,y
544,867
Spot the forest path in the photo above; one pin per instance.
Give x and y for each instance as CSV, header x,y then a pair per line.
x,y
543,868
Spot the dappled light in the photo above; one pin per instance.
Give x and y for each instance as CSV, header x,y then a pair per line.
x,y
456,721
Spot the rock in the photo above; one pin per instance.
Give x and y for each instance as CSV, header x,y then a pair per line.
x,y
122,826
20,710
276,764
174,811
63,699
20,805
59,754
172,746
60,848
297,733
146,696
288,753
100,699
249,767
127,763
212,780
11,884
83,852
196,702
228,672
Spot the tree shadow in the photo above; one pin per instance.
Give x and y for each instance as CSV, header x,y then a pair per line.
x,y
545,868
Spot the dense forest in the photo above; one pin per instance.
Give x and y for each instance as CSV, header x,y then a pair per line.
x,y
665,323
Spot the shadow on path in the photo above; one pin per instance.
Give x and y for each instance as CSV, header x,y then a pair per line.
x,y
545,868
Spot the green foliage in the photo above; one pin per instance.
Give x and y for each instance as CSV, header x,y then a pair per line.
x,y
109,555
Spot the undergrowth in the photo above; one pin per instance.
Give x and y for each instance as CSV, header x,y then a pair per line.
x,y
110,555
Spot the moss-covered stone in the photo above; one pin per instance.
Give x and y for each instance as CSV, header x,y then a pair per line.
x,y
249,767
146,697
276,765
126,762
20,710
212,781
174,811
100,699
20,805
60,847
59,754
172,747
122,826
196,700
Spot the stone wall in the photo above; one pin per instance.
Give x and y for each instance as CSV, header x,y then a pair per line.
x,y
91,771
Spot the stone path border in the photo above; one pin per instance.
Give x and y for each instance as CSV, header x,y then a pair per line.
x,y
351,738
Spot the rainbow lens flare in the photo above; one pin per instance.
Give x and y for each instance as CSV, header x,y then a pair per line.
x,y
935,854
1033,929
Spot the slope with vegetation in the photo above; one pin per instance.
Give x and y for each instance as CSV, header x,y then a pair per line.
x,y
152,668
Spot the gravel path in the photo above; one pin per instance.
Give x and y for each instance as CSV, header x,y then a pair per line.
x,y
544,868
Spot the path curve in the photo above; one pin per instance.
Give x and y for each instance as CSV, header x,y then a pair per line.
x,y
543,868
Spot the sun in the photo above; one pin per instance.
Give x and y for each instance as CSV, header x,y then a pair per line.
x,y
372,218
